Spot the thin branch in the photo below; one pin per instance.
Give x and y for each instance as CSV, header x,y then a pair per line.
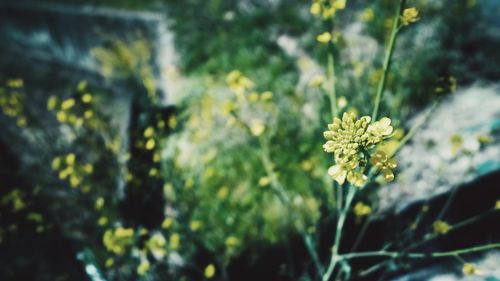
x,y
419,255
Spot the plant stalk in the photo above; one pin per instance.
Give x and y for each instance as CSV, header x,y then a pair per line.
x,y
387,61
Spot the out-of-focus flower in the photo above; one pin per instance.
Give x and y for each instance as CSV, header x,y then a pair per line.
x,y
238,82
174,241
232,242
143,267
379,130
264,181
99,203
324,37
257,127
327,8
167,223
410,15
195,225
361,209
367,15
469,269
317,81
118,240
157,245
385,164
441,227
209,271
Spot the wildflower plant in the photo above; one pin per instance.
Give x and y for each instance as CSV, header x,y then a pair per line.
x,y
244,164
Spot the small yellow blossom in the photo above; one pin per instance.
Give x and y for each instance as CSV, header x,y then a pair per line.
x,y
167,223
189,183
143,267
56,163
264,181
456,141
109,262
195,225
410,15
156,157
156,245
74,181
70,159
88,168
315,8
367,15
174,241
118,240
172,122
469,269
52,103
61,116
306,165
317,81
209,271
324,37
253,96
385,164
267,95
361,209
238,82
150,144
88,114
148,132
232,241
484,139
67,104
87,98
99,203
15,83
257,127
342,102
223,192
441,227
497,205
81,86
153,172
102,221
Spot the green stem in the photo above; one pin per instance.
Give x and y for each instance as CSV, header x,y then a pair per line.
x,y
427,239
453,228
387,60
415,128
312,252
419,255
331,89
285,200
338,233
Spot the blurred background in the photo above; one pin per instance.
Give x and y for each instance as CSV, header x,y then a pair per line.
x,y
144,140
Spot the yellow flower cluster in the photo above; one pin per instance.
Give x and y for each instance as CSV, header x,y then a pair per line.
x,y
69,169
157,245
12,101
66,112
238,82
383,163
349,139
118,240
15,198
327,8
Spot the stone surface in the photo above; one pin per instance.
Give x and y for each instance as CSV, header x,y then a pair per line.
x,y
432,163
